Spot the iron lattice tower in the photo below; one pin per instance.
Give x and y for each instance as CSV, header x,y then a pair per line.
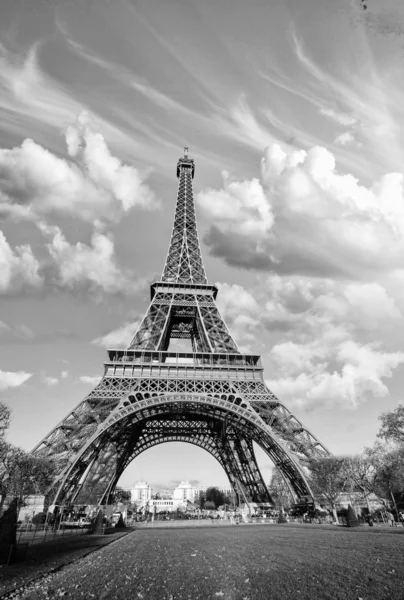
x,y
214,397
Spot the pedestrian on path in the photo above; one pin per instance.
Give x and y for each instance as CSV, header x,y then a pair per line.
x,y
390,519
369,520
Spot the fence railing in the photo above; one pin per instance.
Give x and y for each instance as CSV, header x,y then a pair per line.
x,y
35,534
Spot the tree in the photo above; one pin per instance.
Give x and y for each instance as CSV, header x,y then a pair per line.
x,y
213,494
280,491
39,518
387,462
120,495
23,474
200,499
392,428
229,501
209,505
328,480
5,415
360,475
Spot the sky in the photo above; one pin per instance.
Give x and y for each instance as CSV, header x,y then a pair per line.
x,y
293,113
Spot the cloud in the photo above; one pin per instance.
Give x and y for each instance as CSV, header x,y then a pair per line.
x,y
344,138
82,264
64,374
31,99
241,312
242,215
18,268
90,380
322,336
28,92
241,206
368,93
17,333
120,337
10,379
96,185
341,118
305,217
344,375
50,381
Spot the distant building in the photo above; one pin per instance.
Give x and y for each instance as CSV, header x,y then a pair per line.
x,y
183,497
184,491
141,493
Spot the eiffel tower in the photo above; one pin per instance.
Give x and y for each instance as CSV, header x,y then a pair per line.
x,y
213,397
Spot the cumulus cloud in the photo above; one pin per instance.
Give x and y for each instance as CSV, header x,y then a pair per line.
x,y
82,264
241,206
344,374
344,138
64,374
322,336
18,268
305,217
302,306
119,337
50,381
93,185
11,379
90,380
241,312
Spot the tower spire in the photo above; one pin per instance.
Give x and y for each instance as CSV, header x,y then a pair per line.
x,y
212,395
184,260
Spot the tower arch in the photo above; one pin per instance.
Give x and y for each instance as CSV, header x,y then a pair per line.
x,y
224,429
214,396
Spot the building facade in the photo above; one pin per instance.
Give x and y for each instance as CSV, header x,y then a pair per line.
x,y
141,494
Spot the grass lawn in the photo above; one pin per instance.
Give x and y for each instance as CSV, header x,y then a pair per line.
x,y
268,562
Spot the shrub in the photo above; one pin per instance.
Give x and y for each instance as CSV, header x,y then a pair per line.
x,y
39,518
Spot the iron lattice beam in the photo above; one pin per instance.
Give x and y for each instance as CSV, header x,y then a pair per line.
x,y
215,397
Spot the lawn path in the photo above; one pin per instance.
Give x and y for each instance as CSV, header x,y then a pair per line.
x,y
238,563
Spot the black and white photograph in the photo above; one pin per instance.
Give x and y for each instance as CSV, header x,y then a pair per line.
x,y
202,299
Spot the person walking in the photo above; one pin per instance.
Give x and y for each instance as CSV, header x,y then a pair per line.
x,y
369,519
390,519
401,517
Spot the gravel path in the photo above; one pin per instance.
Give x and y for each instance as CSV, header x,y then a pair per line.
x,y
238,563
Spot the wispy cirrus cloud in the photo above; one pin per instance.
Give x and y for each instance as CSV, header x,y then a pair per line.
x,y
372,102
17,333
29,96
339,117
